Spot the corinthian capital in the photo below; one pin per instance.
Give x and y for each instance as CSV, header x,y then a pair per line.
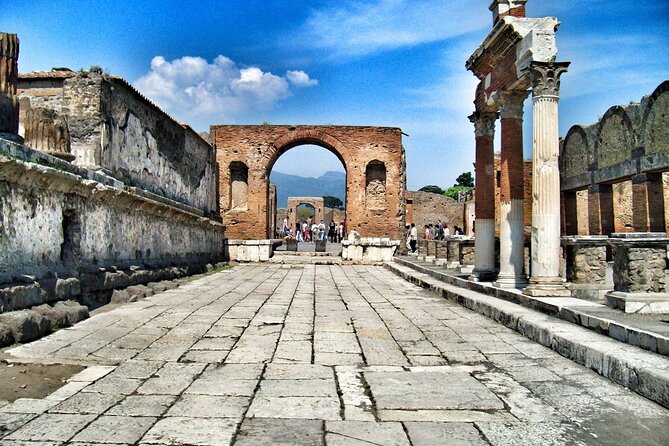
x,y
511,103
484,124
545,77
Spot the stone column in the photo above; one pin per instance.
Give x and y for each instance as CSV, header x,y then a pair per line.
x,y
545,279
511,224
648,203
601,220
484,265
9,72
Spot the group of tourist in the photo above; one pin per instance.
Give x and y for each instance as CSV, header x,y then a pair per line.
x,y
309,231
438,231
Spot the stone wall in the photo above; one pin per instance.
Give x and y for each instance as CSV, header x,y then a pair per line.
x,y
427,208
114,128
618,160
59,221
358,148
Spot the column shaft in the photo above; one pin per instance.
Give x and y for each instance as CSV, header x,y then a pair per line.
x,y
9,71
512,225
484,265
545,279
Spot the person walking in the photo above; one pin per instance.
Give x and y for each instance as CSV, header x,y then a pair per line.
x,y
414,237
332,231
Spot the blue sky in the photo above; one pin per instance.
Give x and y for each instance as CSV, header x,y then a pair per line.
x,y
394,63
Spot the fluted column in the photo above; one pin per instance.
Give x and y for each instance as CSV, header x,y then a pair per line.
x,y
9,72
511,216
545,279
484,243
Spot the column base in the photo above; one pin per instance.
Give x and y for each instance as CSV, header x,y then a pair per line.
x,y
483,275
504,281
547,287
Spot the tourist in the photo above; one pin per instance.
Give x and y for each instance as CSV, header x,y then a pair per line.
x,y
332,231
314,232
432,233
321,230
457,230
285,230
414,237
340,232
440,230
426,233
447,232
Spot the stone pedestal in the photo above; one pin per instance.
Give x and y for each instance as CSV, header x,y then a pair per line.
x,y
639,277
484,268
587,266
9,72
320,245
545,279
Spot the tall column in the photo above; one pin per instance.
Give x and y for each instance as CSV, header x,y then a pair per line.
x,y
545,279
648,203
9,72
484,244
511,224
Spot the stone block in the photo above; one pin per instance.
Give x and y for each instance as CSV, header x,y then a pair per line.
x,y
75,311
156,287
120,296
57,317
67,288
26,325
6,336
140,291
21,296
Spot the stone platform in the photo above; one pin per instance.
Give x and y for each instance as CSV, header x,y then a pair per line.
x,y
331,355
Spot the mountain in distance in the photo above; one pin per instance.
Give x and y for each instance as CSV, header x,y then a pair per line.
x,y
330,183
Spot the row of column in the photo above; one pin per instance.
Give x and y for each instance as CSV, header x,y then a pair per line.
x,y
545,277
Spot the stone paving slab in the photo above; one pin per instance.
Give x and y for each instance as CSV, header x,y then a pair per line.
x,y
323,355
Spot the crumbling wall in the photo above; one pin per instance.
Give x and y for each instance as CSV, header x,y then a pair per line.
x,y
114,128
62,221
429,207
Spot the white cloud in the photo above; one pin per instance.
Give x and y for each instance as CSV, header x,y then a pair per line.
x,y
192,89
300,79
362,28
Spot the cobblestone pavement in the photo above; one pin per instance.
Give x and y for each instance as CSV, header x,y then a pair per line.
x,y
268,355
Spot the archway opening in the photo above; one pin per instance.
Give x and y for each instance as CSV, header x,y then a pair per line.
x,y
309,181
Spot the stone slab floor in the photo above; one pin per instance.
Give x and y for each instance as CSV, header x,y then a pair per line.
x,y
336,355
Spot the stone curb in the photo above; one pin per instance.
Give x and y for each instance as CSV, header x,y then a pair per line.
x,y
640,371
575,311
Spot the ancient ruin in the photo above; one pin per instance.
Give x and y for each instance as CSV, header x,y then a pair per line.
x,y
373,158
518,54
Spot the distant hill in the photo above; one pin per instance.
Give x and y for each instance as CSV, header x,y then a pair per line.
x,y
330,183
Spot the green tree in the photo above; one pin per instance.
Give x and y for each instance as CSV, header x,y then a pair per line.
x,y
332,202
465,179
432,189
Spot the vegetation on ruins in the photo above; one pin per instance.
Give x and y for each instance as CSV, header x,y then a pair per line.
x,y
432,189
463,183
332,202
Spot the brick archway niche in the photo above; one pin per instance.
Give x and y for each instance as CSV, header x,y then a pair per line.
x,y
316,203
373,158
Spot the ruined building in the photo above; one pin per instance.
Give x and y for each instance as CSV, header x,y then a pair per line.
x,y
106,192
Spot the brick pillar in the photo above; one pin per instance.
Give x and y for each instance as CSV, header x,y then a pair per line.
x,y
484,269
570,215
601,220
512,224
9,72
545,279
648,203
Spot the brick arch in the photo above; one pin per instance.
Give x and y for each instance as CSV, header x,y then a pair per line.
x,y
576,153
654,133
259,146
296,138
616,138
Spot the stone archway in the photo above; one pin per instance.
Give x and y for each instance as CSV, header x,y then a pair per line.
x,y
295,202
257,147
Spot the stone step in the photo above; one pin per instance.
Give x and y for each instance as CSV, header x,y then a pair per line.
x,y
641,371
302,259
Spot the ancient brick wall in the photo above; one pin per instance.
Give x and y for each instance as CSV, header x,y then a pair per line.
x,y
372,213
428,208
113,127
628,148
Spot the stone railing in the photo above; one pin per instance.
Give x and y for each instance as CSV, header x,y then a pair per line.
x,y
369,250
589,274
453,252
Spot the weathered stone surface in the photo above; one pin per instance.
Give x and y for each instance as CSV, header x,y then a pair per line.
x,y
21,296
265,431
6,336
121,296
75,312
57,317
25,325
67,288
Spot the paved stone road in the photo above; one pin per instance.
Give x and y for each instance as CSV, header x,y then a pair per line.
x,y
261,355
